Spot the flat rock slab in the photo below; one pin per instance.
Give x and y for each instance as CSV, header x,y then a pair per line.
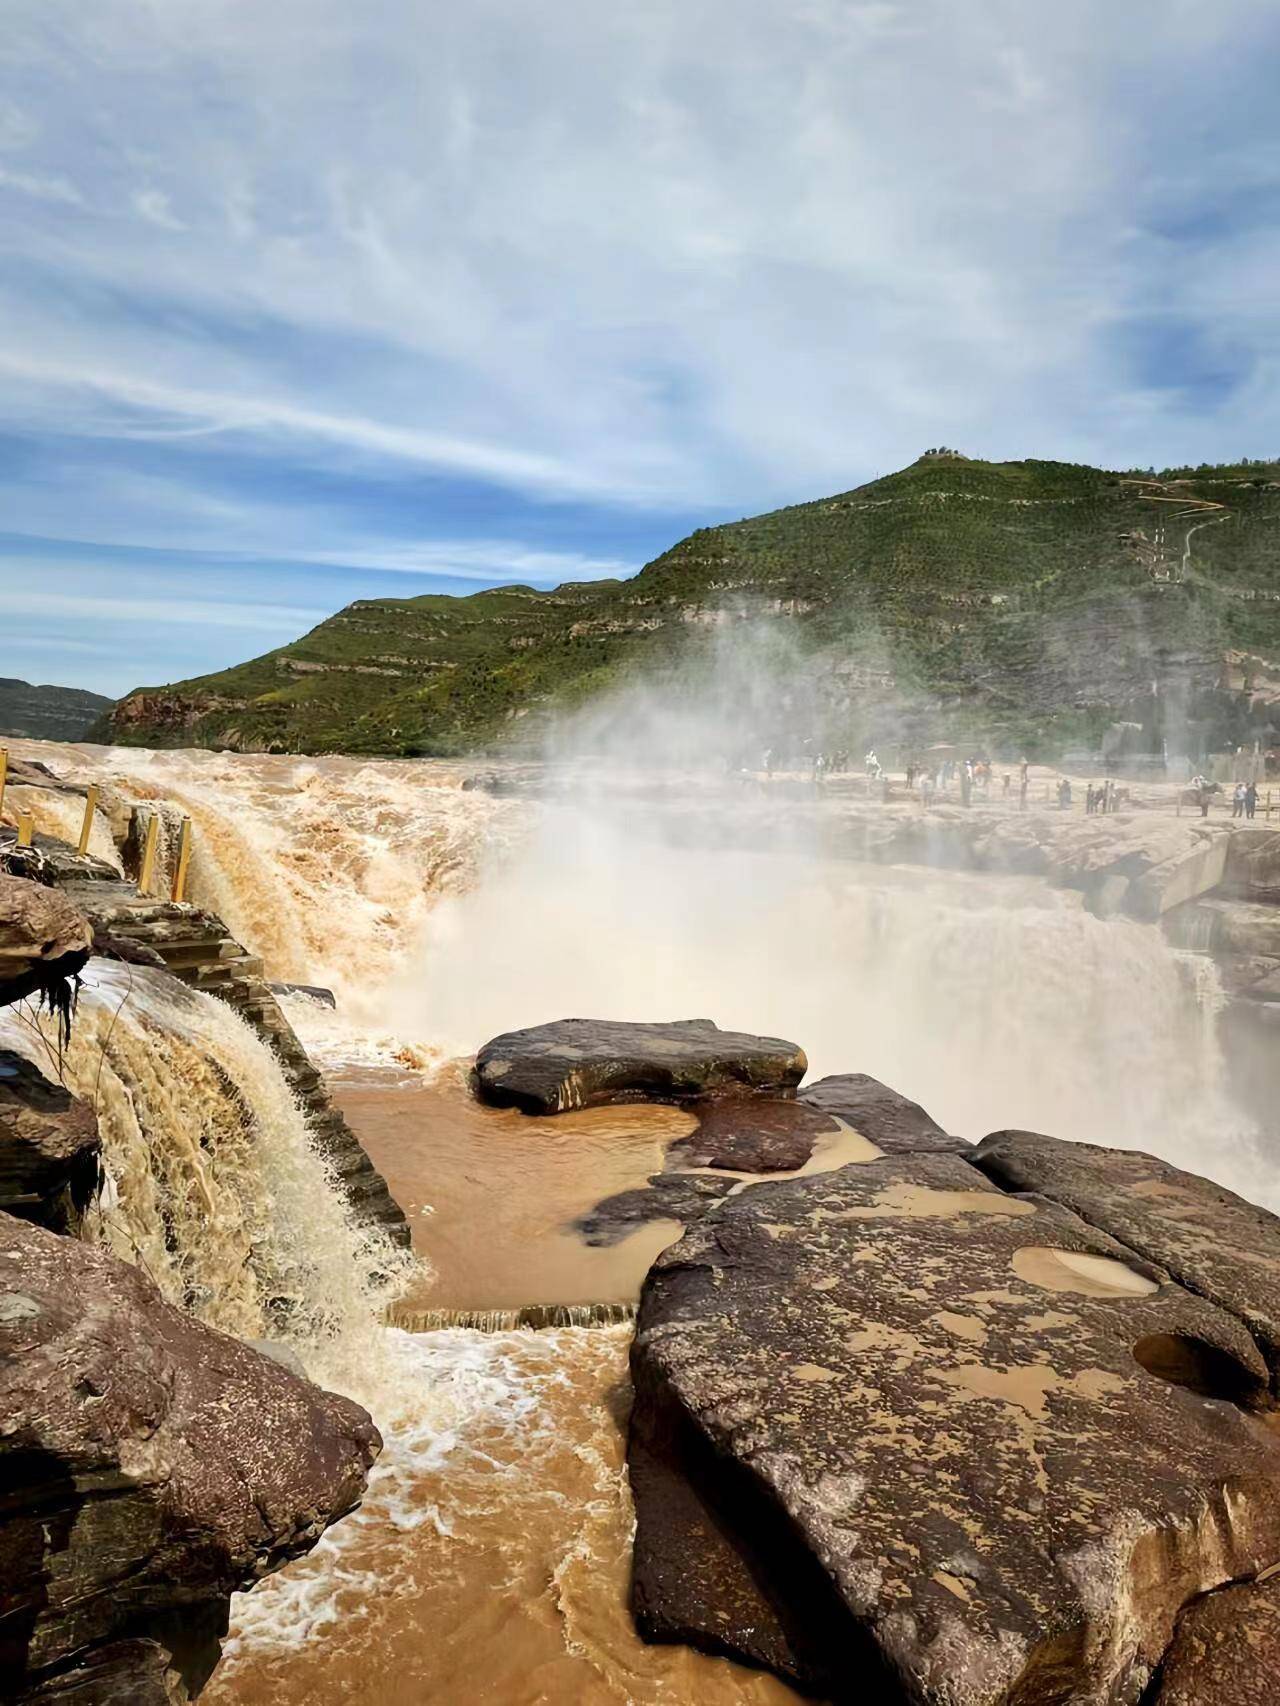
x,y
583,1063
685,1197
894,1123
1226,1651
1210,1240
1011,1449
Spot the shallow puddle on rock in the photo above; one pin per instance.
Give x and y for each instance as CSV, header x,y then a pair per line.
x,y
1073,1270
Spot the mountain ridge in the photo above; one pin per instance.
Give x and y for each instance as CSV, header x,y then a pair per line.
x,y
47,711
1030,603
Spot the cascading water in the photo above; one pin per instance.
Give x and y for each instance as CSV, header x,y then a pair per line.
x,y
213,1185
495,1531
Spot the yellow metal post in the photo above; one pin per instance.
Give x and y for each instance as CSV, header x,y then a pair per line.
x,y
184,859
24,829
90,806
149,853
4,773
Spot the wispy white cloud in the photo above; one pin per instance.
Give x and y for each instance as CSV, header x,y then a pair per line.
x,y
264,618
41,187
164,411
156,208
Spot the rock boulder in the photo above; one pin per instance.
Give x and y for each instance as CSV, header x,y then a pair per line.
x,y
582,1063
894,1123
904,1437
1210,1240
44,939
151,1466
49,1148
1226,1651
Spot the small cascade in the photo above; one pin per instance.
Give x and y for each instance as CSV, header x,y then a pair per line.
x,y
1192,927
536,1316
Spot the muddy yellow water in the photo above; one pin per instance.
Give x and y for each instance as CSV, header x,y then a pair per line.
x,y
490,1562
492,1194
491,1559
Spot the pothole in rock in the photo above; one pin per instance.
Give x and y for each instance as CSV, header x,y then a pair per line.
x,y
1199,1367
1075,1270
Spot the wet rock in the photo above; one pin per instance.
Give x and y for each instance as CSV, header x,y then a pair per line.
x,y
312,991
1182,877
108,945
1253,865
49,1148
43,939
1011,1449
1210,1240
753,1134
580,1063
123,1673
151,1467
668,1196
1226,1651
894,1123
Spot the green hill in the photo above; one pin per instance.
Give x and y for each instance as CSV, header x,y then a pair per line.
x,y
1027,603
48,713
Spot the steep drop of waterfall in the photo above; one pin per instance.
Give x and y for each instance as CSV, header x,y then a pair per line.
x,y
213,1184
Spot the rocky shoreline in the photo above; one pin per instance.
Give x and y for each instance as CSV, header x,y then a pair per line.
x,y
950,1425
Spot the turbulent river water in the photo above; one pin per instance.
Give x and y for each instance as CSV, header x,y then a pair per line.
x,y
489,1561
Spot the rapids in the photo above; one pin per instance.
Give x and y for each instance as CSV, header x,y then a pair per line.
x,y
489,1561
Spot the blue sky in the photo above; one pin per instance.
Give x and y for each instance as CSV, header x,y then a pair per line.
x,y
308,301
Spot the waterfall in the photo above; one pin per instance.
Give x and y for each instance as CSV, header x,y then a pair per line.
x,y
325,868
213,1186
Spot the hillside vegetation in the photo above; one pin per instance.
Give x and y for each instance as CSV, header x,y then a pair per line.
x,y
1028,604
48,713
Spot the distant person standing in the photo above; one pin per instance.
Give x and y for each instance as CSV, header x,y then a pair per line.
x,y
1251,800
1090,800
1237,800
966,785
1022,790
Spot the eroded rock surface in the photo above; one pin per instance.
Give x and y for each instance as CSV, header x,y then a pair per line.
x,y
43,937
152,1467
1210,1240
49,1148
1010,1448
1226,1651
580,1063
